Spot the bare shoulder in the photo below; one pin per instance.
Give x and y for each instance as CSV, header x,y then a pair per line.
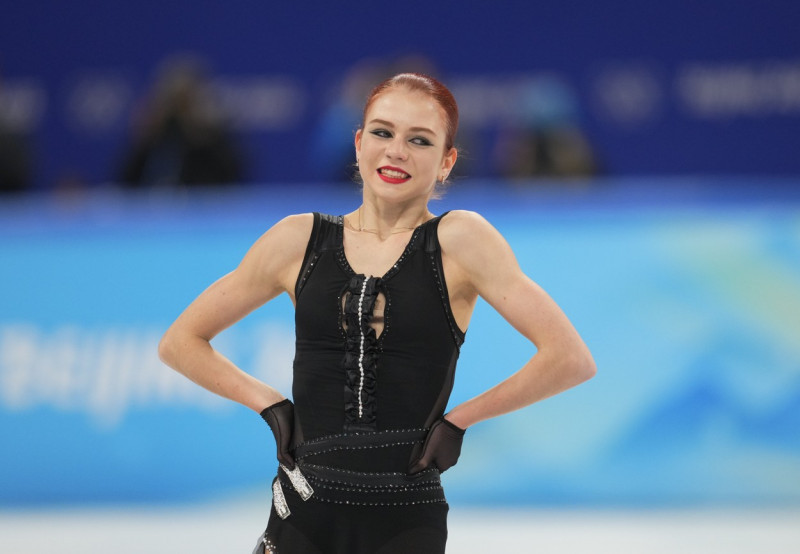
x,y
294,227
463,218
279,252
467,233
287,235
481,254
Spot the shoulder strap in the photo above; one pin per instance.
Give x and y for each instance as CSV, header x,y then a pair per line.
x,y
330,232
432,234
434,253
324,236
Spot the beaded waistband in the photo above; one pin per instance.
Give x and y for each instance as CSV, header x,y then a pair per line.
x,y
342,486
358,441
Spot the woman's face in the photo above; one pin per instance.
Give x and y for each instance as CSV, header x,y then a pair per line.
x,y
401,149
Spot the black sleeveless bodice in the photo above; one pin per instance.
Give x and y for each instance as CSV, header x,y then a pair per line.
x,y
399,380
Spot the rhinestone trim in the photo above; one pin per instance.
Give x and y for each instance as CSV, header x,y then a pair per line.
x,y
458,335
312,448
341,257
279,500
412,503
269,547
361,351
363,447
298,482
306,273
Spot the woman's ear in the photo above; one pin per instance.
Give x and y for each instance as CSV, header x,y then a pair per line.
x,y
449,160
358,143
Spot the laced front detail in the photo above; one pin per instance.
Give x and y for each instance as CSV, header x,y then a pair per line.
x,y
361,353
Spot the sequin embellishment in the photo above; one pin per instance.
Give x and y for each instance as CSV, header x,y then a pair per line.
x,y
361,353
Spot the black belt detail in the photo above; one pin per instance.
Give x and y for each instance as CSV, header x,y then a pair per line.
x,y
355,441
344,486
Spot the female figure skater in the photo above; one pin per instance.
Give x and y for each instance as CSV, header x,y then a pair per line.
x,y
383,296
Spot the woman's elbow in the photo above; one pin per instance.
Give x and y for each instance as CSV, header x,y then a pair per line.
x,y
583,367
166,349
575,365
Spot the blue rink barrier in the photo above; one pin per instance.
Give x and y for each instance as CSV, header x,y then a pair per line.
x,y
687,293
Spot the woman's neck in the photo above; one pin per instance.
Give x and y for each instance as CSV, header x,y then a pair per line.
x,y
369,218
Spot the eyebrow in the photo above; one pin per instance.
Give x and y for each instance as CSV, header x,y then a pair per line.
x,y
412,129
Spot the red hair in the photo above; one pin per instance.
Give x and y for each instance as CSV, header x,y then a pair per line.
x,y
428,85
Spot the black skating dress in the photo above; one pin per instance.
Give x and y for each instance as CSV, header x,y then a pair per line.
x,y
363,402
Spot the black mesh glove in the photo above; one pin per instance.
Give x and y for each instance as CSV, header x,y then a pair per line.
x,y
441,448
280,418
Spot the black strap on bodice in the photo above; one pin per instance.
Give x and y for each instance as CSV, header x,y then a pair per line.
x,y
325,235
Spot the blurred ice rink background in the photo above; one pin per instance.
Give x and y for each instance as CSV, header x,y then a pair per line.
x,y
229,527
685,441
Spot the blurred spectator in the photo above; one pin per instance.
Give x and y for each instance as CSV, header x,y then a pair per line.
x,y
332,150
15,155
181,136
544,139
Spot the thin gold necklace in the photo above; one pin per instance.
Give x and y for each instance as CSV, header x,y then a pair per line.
x,y
392,231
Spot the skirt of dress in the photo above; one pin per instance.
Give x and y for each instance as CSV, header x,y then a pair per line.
x,y
325,528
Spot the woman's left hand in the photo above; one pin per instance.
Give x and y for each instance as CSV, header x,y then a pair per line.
x,y
442,447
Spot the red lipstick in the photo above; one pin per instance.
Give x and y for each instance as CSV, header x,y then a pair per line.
x,y
393,175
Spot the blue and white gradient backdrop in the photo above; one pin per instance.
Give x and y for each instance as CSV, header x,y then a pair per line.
x,y
687,293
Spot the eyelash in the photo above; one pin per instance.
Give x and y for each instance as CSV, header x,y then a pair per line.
x,y
383,133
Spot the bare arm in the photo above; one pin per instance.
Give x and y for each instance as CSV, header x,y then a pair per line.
x,y
269,268
486,266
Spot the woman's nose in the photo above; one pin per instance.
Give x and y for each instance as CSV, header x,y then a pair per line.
x,y
397,148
